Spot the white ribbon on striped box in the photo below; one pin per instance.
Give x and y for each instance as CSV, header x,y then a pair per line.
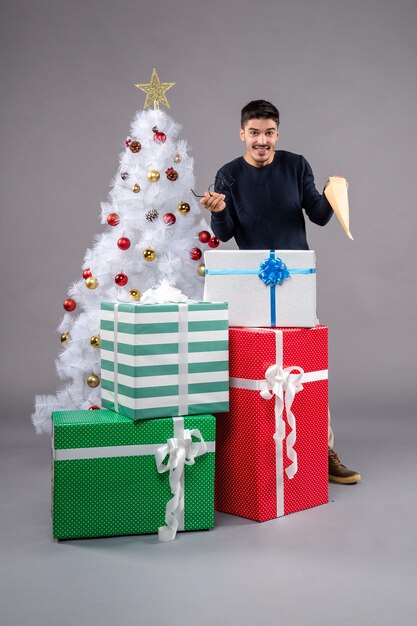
x,y
283,384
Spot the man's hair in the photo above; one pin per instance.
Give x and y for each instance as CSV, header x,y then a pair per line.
x,y
259,109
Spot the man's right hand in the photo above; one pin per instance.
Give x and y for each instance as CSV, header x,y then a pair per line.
x,y
213,201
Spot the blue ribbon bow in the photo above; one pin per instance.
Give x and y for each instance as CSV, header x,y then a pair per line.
x,y
273,271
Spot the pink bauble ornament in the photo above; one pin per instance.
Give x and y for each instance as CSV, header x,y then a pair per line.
x,y
159,137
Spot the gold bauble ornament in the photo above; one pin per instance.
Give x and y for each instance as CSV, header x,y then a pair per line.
x,y
177,158
91,282
183,208
149,254
93,381
153,176
135,294
65,337
136,188
201,269
95,341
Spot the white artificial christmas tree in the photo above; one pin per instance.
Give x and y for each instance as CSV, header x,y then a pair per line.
x,y
155,231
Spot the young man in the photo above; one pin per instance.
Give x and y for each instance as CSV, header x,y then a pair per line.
x,y
259,199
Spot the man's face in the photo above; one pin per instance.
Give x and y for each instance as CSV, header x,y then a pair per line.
x,y
260,137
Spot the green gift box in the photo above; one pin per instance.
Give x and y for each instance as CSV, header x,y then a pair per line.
x,y
160,360
115,476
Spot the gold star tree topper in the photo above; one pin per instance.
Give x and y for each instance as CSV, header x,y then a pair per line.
x,y
155,91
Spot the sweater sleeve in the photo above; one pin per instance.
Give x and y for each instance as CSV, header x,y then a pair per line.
x,y
222,223
315,204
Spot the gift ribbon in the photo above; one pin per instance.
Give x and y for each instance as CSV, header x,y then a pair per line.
x,y
180,450
281,383
266,274
115,357
182,358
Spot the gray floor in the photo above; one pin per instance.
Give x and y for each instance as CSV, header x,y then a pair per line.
x,y
350,562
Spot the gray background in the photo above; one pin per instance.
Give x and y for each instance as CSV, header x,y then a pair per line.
x,y
343,75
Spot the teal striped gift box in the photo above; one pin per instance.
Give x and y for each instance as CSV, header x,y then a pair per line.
x,y
164,360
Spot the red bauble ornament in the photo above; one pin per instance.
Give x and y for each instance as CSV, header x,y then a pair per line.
x,y
204,236
169,218
70,305
214,242
195,254
86,273
159,137
120,279
94,407
113,219
124,243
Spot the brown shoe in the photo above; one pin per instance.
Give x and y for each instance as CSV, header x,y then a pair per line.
x,y
338,473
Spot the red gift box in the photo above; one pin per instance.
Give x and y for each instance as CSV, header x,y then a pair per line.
x,y
272,446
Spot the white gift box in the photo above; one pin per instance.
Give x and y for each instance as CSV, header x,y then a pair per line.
x,y
275,288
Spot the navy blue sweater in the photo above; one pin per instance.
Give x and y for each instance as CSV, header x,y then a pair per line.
x,y
264,205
